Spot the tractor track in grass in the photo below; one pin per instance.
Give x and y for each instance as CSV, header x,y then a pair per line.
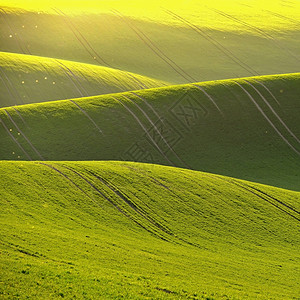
x,y
267,119
290,211
12,97
69,179
122,195
14,139
183,201
93,53
20,116
144,129
149,43
268,90
274,112
217,44
142,213
208,96
72,77
282,17
122,211
277,200
124,178
25,137
88,47
167,234
12,87
260,194
18,39
258,30
79,36
147,103
160,183
87,115
9,91
159,118
242,211
287,209
73,82
156,129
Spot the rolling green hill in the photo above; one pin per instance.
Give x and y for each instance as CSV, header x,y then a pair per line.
x,y
97,230
245,128
29,79
173,41
148,151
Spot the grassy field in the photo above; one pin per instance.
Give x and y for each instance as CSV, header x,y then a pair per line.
x,y
30,79
176,42
149,149
246,128
115,230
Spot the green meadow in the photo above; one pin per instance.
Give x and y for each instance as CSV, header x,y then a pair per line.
x,y
30,79
246,128
95,230
149,149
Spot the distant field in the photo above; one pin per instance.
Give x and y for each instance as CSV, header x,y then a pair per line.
x,y
246,128
29,79
177,43
95,230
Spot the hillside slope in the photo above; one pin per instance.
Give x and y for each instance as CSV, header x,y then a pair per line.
x,y
29,79
114,229
246,128
171,41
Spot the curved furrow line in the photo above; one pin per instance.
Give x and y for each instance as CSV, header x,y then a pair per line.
x,y
264,196
217,44
25,137
143,214
87,46
128,201
87,115
80,37
282,17
214,177
274,112
268,120
277,200
268,200
73,82
259,30
156,129
14,139
144,129
72,77
122,211
160,183
19,40
147,103
22,119
9,91
12,87
20,116
69,179
149,43
159,117
268,90
134,78
208,96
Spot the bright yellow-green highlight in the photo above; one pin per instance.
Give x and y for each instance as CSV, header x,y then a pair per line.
x,y
200,12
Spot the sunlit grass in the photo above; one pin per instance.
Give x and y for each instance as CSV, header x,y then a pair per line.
x,y
236,140
111,230
31,79
203,13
